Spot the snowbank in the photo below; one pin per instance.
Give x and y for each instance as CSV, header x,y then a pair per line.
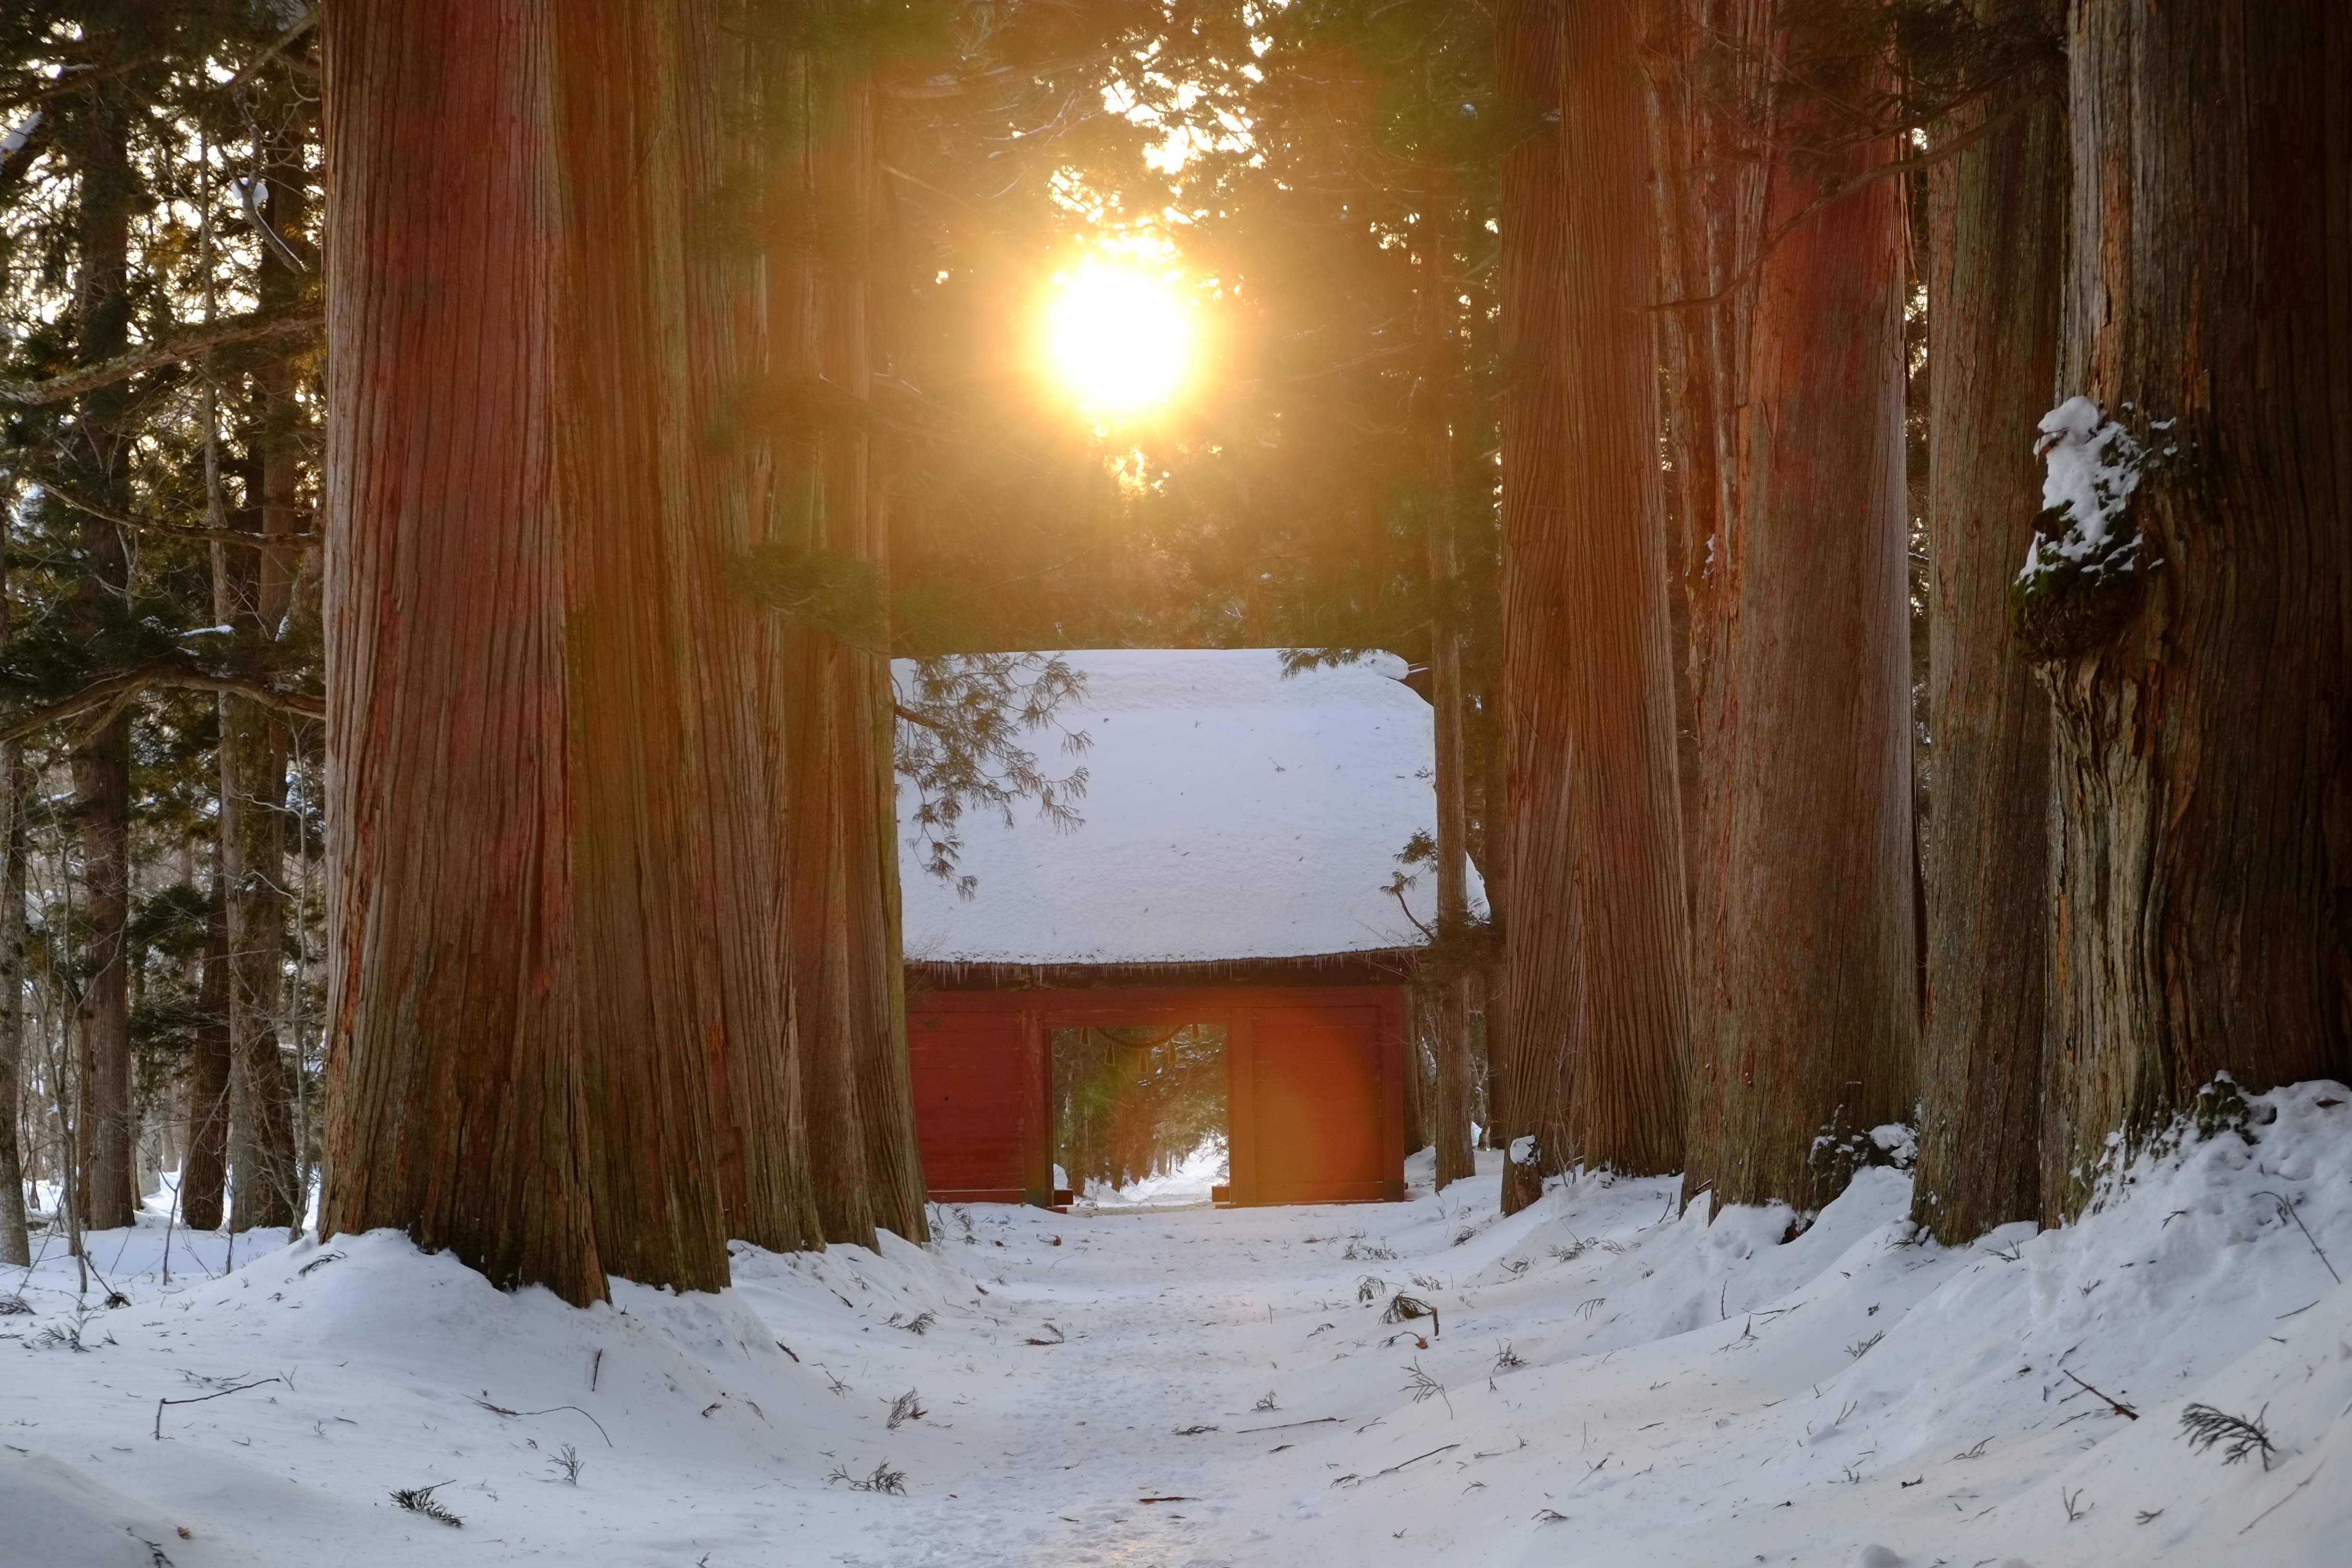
x,y
1606,1383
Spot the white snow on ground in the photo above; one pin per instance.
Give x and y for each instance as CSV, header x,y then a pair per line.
x,y
1672,1392
1230,812
1186,1186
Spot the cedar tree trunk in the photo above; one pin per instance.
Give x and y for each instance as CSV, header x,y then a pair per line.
x,y
1542,988
105,1190
203,1173
253,757
2202,866
15,1245
1996,219
1805,959
563,1039
1593,583
1449,1013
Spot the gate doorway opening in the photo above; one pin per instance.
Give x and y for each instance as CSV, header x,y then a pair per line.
x,y
1139,1114
1314,1085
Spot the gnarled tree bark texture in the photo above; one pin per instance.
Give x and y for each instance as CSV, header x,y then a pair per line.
x,y
1996,223
1542,981
1787,414
561,1015
2201,861
1597,580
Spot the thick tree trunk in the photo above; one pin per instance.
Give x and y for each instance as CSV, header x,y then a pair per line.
x,y
530,1033
457,1105
644,116
106,1194
1542,992
1805,982
1595,583
253,757
1996,220
203,1173
2203,776
14,1244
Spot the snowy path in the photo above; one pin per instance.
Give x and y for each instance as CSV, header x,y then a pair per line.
x,y
1684,1394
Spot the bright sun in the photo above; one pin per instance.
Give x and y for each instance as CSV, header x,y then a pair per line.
x,y
1120,338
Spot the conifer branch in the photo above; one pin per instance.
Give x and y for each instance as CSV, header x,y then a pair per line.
x,y
241,536
154,356
114,690
1985,128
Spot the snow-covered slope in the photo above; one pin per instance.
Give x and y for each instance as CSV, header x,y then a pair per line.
x,y
1230,812
1607,1384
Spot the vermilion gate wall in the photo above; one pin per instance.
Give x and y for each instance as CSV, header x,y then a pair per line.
x,y
1315,1085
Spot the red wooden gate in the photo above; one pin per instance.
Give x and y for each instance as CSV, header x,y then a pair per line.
x,y
1315,1085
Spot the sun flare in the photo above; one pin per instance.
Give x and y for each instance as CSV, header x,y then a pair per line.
x,y
1120,338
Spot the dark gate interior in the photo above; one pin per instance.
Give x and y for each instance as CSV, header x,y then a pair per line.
x,y
1315,1085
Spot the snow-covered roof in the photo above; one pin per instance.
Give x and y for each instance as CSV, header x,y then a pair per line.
x,y
1230,812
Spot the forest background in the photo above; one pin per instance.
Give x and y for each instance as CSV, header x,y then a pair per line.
x,y
468,468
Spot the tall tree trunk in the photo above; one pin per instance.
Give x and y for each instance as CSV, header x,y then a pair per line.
x,y
203,1173
2203,775
1543,990
1449,1015
1996,218
821,950
253,757
15,1245
528,1040
1595,582
822,496
1805,987
885,1096
865,1166
106,1194
457,1106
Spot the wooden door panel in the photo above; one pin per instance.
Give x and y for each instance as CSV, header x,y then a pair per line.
x,y
1320,1104
972,1115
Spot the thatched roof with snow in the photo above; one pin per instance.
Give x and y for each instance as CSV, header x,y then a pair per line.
x,y
1232,815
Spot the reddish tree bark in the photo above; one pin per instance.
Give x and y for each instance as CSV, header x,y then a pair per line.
x,y
2203,775
1601,574
457,1106
1542,982
865,1166
1789,451
1996,221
